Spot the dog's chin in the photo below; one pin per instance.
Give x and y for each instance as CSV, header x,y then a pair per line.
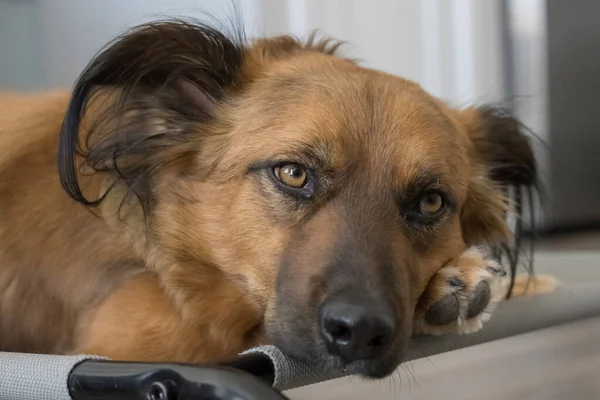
x,y
371,369
368,369
318,357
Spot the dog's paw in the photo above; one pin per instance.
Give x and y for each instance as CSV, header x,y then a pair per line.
x,y
462,296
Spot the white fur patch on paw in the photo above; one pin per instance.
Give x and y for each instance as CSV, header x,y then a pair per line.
x,y
462,296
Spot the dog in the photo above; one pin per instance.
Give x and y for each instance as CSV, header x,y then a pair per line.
x,y
197,194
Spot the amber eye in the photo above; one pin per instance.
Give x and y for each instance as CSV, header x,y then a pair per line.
x,y
431,204
291,174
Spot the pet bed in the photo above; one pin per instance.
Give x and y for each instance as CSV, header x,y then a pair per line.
x,y
262,373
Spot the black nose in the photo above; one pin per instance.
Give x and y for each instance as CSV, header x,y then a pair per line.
x,y
355,328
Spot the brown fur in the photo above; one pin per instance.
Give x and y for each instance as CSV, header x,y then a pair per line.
x,y
536,285
191,250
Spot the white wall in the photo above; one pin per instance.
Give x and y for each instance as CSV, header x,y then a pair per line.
x,y
529,64
74,30
20,33
451,47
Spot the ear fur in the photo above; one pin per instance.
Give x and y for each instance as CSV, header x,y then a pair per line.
x,y
504,148
145,97
504,174
144,102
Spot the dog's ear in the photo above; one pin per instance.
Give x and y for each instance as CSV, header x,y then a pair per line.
x,y
142,102
501,144
503,175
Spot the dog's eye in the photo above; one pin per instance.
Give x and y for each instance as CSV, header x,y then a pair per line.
x,y
292,175
431,204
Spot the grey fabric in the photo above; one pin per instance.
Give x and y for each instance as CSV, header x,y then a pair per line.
x,y
36,376
39,377
291,373
514,317
44,377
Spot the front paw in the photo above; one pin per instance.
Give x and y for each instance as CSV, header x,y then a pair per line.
x,y
462,296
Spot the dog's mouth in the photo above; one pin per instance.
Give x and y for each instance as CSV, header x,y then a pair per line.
x,y
311,350
349,332
321,360
369,369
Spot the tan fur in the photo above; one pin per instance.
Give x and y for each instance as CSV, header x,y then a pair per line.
x,y
199,282
526,285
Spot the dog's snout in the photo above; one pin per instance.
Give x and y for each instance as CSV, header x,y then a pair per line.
x,y
355,328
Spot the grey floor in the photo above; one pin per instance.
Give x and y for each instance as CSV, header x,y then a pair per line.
x,y
554,364
558,363
585,241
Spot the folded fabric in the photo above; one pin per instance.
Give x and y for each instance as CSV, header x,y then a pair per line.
x,y
513,317
45,377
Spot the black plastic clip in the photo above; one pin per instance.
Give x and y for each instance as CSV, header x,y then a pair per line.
x,y
247,378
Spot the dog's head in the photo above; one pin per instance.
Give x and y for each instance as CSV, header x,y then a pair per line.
x,y
326,193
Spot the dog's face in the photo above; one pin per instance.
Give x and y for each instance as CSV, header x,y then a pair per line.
x,y
326,193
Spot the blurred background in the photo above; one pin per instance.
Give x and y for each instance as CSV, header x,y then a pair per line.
x,y
535,57
539,59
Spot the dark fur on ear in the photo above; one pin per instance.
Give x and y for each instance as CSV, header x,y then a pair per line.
x,y
506,150
161,81
509,167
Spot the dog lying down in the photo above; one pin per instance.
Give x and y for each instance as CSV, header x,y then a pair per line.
x,y
213,194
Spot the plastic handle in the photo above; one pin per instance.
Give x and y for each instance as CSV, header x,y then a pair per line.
x,y
114,380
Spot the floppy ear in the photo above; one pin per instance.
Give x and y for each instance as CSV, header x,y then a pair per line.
x,y
141,104
503,174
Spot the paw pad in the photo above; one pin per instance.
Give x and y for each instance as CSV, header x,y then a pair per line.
x,y
457,283
444,312
497,271
478,299
462,296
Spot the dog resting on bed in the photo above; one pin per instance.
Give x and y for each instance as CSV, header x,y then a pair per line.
x,y
196,195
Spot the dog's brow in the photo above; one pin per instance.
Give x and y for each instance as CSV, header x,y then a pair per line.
x,y
425,179
422,180
311,156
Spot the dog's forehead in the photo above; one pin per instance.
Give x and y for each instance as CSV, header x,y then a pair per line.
x,y
349,113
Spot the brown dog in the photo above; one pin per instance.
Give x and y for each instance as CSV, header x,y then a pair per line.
x,y
218,194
